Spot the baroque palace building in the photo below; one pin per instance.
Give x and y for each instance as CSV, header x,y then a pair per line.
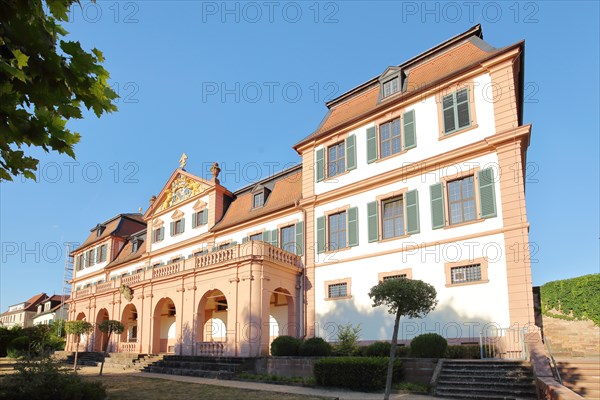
x,y
416,173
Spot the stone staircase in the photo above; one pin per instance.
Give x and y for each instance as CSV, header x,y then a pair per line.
x,y
90,358
124,360
581,375
205,367
485,379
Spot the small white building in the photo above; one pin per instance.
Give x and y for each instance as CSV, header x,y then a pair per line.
x,y
52,309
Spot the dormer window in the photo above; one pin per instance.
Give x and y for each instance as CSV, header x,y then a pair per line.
x,y
135,244
391,86
390,82
258,200
259,196
99,229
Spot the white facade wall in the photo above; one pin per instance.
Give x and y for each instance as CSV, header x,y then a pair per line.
x,y
238,236
427,133
188,212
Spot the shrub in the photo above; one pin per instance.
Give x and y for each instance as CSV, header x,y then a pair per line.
x,y
577,298
402,351
347,336
314,347
470,352
18,347
285,346
48,380
356,373
428,345
378,349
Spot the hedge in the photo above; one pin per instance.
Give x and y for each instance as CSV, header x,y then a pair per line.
x,y
356,373
468,352
575,299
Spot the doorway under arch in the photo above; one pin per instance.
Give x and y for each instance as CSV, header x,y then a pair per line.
x,y
165,327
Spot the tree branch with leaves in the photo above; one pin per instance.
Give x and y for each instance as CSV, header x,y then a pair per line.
x,y
44,83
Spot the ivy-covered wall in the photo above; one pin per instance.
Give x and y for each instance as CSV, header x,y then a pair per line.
x,y
577,298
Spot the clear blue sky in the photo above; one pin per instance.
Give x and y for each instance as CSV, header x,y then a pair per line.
x,y
241,85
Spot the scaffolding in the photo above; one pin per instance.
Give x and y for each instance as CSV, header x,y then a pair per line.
x,y
67,280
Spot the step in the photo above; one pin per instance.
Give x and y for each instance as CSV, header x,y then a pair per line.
x,y
478,380
190,372
496,391
467,395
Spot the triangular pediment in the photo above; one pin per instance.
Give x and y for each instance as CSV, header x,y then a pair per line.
x,y
180,187
389,72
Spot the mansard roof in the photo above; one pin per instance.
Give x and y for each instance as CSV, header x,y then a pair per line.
x,y
286,191
126,254
460,53
121,225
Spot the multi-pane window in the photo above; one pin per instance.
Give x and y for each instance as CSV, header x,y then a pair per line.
x,y
337,231
336,159
288,238
258,200
102,253
467,273
79,266
178,227
199,218
390,87
461,200
158,234
135,245
393,218
91,258
257,236
387,278
337,290
389,138
455,107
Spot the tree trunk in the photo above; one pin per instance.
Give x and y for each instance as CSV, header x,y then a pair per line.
x,y
104,353
390,371
76,354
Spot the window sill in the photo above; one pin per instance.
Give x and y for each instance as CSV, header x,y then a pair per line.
x,y
467,283
475,221
334,178
458,132
393,238
338,298
336,250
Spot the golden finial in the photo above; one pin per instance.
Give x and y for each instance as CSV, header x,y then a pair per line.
x,y
183,161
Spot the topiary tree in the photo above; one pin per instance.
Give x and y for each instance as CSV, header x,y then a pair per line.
x,y
77,328
315,347
428,345
109,326
403,297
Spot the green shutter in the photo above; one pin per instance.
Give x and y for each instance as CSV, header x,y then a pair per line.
x,y
266,236
245,239
487,196
410,133
320,165
371,144
300,238
353,226
162,233
438,215
350,152
182,225
320,234
373,221
275,237
412,212
172,227
205,216
194,220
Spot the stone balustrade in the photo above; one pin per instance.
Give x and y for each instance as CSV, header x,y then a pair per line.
x,y
252,250
212,349
128,347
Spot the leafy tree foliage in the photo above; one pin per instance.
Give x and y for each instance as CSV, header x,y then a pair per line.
x,y
402,297
44,82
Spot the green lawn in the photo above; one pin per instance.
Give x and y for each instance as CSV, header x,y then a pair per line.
x,y
127,387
